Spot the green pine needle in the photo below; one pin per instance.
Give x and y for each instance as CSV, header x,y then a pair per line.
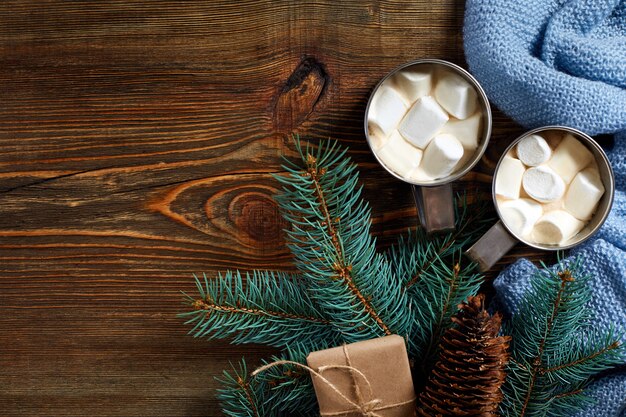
x,y
554,352
271,308
239,395
436,278
283,390
333,248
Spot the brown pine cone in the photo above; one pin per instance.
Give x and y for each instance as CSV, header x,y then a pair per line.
x,y
467,377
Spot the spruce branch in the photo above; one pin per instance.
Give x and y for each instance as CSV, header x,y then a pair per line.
x,y
239,394
436,279
554,352
333,248
423,252
283,390
271,307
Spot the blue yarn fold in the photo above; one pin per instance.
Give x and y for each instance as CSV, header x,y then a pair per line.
x,y
547,62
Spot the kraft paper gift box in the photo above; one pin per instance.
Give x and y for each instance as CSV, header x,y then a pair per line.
x,y
371,378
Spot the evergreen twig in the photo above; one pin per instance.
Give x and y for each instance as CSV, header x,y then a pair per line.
x,y
272,308
333,247
554,352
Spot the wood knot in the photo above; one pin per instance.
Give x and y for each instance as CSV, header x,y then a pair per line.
x,y
257,215
299,95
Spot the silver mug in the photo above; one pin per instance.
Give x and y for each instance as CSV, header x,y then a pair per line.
x,y
434,199
500,239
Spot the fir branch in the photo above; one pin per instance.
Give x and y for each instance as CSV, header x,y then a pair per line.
x,y
271,308
333,248
441,289
422,263
343,270
283,390
239,394
288,389
594,352
554,352
469,225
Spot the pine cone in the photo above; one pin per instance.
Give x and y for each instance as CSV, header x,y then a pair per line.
x,y
466,379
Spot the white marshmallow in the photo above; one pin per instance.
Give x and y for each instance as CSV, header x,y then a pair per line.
x,y
466,131
413,83
509,177
377,139
584,193
399,155
456,95
467,156
555,205
423,121
418,175
442,155
533,150
520,215
387,109
556,227
569,158
543,184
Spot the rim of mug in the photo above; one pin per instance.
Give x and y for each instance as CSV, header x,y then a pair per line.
x,y
608,187
486,134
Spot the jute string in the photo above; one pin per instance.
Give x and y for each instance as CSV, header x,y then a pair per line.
x,y
367,408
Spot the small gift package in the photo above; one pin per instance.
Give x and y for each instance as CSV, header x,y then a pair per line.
x,y
370,378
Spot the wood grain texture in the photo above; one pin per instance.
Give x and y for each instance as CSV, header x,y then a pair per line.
x,y
137,142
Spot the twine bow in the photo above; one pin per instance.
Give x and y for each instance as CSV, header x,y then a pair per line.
x,y
366,408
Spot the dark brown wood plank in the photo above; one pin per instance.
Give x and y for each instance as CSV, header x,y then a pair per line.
x,y
137,143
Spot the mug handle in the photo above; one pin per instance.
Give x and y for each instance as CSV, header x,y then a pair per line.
x,y
435,207
491,247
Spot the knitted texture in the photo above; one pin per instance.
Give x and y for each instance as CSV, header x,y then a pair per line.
x,y
546,62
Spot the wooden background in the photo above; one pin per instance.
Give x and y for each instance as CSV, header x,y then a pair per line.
x,y
137,140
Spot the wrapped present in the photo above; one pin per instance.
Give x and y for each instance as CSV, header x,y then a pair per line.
x,y
370,378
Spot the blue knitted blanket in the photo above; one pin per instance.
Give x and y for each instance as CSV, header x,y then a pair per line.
x,y
546,62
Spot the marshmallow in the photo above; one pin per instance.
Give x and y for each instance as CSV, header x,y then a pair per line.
x,y
555,205
584,193
387,109
556,227
569,158
533,150
399,155
423,122
418,175
520,215
466,131
377,140
442,155
456,95
543,184
465,159
414,84
509,177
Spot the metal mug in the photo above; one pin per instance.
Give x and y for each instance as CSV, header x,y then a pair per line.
x,y
434,199
500,239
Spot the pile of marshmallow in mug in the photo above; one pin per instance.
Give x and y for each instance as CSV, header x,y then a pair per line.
x,y
421,132
548,188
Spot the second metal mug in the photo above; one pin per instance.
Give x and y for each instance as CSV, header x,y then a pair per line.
x,y
500,238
